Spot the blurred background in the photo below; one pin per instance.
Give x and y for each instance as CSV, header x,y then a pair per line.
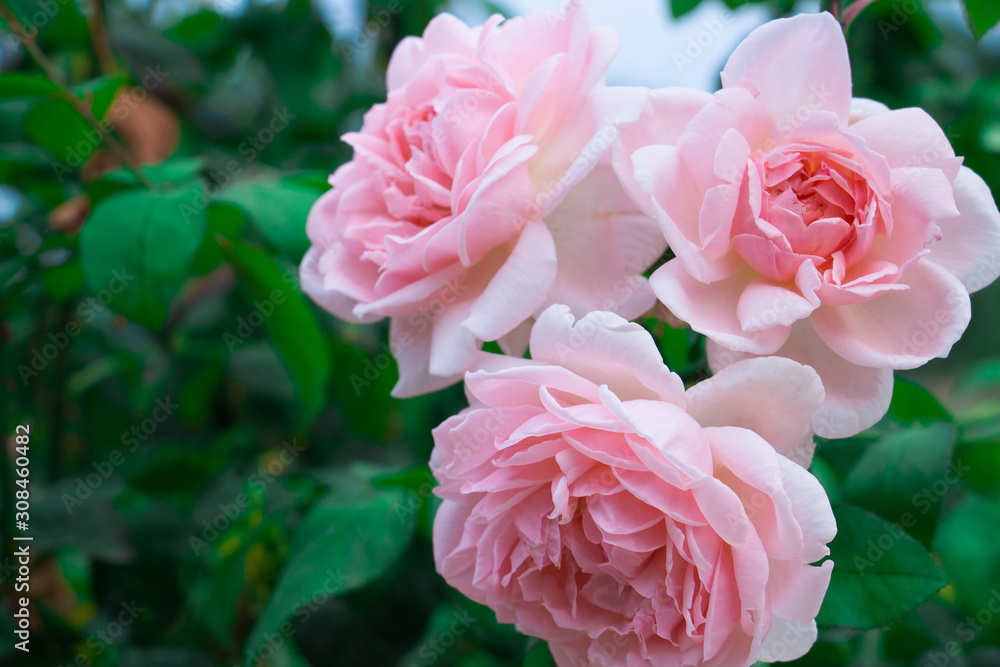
x,y
218,475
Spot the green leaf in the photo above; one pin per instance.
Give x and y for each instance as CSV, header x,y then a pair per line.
x,y
906,640
539,656
911,404
54,23
827,476
20,84
336,549
242,553
418,483
362,396
200,32
174,469
679,8
983,15
904,477
224,220
59,128
979,460
976,395
173,172
968,542
278,209
24,162
63,280
136,247
682,349
290,323
880,572
842,454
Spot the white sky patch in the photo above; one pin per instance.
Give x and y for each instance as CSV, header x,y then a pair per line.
x,y
658,50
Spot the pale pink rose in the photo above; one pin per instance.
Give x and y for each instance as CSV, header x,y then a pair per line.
x,y
594,502
480,192
809,225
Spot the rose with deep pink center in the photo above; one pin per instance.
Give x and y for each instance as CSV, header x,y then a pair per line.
x,y
593,501
809,225
480,192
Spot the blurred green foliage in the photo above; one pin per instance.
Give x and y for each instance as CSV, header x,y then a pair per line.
x,y
218,473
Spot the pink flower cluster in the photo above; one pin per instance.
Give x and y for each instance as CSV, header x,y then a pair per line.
x,y
503,193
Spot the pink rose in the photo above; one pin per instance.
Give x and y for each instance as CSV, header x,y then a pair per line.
x,y
807,225
482,191
593,502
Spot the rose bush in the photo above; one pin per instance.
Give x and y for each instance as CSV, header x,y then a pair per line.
x,y
593,501
809,225
480,192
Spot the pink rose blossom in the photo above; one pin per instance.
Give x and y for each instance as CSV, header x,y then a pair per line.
x,y
482,191
809,225
594,502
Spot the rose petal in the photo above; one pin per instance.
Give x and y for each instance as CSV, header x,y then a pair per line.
x,y
607,350
900,329
772,396
794,64
855,396
970,243
603,245
712,309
